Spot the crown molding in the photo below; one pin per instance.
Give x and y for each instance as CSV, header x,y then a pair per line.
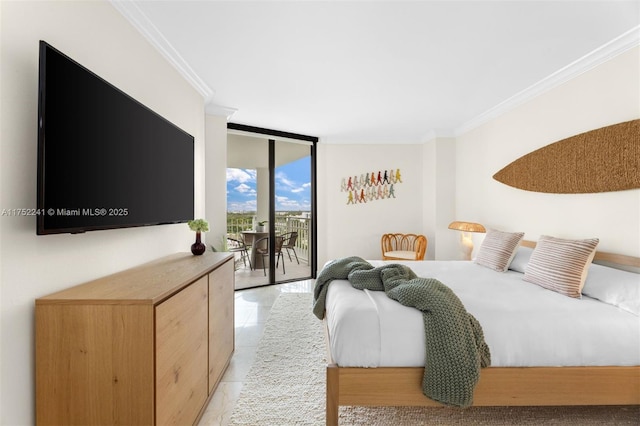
x,y
143,24
213,109
615,47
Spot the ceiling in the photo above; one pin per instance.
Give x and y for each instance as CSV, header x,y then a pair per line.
x,y
379,71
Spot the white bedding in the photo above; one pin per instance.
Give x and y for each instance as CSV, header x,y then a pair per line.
x,y
524,324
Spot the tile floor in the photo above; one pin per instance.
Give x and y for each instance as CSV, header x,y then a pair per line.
x,y
252,308
246,277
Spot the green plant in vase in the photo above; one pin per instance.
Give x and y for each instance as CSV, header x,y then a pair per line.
x,y
260,226
198,226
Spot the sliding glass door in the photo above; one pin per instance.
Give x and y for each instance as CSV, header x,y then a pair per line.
x,y
292,202
270,206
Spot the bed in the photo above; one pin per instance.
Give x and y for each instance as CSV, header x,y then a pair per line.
x,y
517,377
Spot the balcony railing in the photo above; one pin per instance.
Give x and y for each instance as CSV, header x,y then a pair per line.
x,y
284,224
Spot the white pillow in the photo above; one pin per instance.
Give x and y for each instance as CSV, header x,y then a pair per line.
x,y
561,265
498,248
615,287
521,259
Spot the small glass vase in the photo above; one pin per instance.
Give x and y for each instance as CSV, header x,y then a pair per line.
x,y
198,248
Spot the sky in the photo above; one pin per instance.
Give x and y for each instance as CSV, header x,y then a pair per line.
x,y
293,187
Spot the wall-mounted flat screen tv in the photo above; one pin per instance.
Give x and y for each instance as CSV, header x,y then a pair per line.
x,y
105,160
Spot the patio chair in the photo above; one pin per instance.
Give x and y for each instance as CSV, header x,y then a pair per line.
x,y
237,246
290,239
261,248
403,246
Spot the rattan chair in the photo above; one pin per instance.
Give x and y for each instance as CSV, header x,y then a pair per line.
x,y
403,246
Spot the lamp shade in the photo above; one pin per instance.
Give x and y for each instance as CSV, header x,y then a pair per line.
x,y
467,227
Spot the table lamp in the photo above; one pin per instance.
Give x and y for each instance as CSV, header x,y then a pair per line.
x,y
466,241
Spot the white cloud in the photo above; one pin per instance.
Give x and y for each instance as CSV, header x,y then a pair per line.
x,y
283,179
241,175
245,189
284,183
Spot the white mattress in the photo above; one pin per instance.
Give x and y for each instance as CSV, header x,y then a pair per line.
x,y
524,325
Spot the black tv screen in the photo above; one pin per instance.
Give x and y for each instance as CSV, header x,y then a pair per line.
x,y
105,160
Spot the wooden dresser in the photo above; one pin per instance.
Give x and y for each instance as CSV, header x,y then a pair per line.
x,y
144,346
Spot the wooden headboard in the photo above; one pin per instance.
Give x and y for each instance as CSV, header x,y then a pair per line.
x,y
612,259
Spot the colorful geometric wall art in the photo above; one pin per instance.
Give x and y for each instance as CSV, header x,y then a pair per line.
x,y
369,187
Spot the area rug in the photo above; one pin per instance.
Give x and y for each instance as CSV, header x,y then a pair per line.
x,y
286,386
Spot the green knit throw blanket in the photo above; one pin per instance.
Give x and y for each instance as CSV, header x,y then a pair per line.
x,y
455,348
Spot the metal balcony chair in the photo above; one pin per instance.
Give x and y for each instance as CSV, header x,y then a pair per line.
x,y
238,246
261,248
403,246
290,239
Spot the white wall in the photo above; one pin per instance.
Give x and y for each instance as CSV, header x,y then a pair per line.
x,y
605,95
216,180
446,243
97,36
355,230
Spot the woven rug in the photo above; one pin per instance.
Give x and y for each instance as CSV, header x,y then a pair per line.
x,y
286,386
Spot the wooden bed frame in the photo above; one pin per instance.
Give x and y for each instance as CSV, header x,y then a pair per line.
x,y
498,386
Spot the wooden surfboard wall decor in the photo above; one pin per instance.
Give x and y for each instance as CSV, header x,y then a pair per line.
x,y
601,160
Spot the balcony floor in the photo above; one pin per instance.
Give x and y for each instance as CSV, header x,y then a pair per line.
x,y
247,278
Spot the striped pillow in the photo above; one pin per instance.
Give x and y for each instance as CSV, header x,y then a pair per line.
x,y
498,248
561,265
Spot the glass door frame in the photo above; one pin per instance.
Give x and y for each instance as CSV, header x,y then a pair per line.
x,y
274,135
